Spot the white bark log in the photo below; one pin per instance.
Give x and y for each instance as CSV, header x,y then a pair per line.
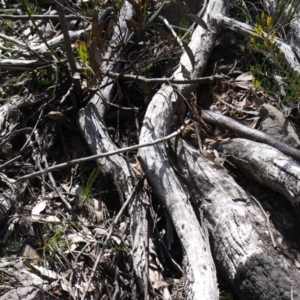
x,y
91,120
113,53
293,36
19,64
201,278
240,240
200,270
267,165
95,133
247,30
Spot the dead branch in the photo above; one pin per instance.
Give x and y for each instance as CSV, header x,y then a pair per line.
x,y
159,170
101,155
266,165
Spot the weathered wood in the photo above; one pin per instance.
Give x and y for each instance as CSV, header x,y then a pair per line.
x,y
200,272
267,165
93,127
8,197
119,169
248,30
241,246
239,235
10,109
24,65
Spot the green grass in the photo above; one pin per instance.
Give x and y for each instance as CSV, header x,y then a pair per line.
x,y
272,72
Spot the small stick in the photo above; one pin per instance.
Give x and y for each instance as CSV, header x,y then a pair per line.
x,y
68,45
112,226
42,17
96,156
44,160
267,216
38,31
201,80
10,161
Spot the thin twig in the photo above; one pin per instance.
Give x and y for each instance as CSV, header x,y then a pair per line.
x,y
42,59
112,226
42,17
14,134
10,161
120,107
96,156
167,24
202,80
67,43
38,31
267,216
12,40
44,160
37,159
255,113
147,254
34,128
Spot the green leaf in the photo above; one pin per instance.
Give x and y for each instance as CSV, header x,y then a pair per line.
x,y
82,51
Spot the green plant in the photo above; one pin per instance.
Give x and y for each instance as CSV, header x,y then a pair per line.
x,y
273,74
242,11
88,191
2,276
229,296
33,7
119,4
54,243
14,85
282,12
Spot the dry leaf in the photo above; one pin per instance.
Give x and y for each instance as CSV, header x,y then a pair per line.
x,y
248,76
190,54
139,13
37,209
185,72
244,81
132,25
199,21
165,36
50,219
75,238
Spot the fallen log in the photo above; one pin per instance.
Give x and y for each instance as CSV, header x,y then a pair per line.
x,y
266,165
239,233
91,120
199,268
